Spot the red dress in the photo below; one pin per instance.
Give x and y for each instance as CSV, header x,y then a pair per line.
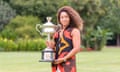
x,y
63,47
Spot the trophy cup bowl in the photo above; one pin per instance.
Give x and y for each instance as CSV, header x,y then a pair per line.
x,y
48,28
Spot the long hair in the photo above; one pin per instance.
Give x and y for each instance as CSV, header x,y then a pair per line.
x,y
75,19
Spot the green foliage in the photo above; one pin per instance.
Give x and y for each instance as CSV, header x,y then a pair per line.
x,y
96,38
7,45
103,13
40,8
21,27
30,44
6,13
111,19
93,12
22,45
90,11
9,34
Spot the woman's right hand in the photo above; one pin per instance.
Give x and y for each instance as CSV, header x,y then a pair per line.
x,y
50,44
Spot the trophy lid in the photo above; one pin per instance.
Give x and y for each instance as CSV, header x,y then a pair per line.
x,y
48,23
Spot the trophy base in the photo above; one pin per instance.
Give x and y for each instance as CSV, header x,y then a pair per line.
x,y
46,60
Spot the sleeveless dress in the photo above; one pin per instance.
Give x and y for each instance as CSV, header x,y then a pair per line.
x,y
63,47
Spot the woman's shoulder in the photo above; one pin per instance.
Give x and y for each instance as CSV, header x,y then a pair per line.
x,y
75,30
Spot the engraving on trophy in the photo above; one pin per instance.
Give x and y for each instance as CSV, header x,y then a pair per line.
x,y
47,56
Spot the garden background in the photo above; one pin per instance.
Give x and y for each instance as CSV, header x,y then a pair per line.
x,y
18,19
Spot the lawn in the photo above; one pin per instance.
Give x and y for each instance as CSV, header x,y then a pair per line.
x,y
107,60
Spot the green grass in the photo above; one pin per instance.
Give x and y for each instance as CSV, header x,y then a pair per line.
x,y
107,60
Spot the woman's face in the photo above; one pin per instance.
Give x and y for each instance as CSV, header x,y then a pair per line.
x,y
64,19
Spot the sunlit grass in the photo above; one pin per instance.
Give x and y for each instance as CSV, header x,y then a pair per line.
x,y
107,60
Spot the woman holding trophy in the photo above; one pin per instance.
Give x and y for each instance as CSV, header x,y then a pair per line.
x,y
66,40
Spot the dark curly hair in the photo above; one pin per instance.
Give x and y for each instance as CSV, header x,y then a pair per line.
x,y
75,19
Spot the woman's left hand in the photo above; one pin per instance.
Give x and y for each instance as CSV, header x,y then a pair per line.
x,y
59,60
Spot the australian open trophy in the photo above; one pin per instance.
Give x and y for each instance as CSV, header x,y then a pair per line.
x,y
48,28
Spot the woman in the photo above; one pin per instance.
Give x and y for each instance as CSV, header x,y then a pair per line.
x,y
66,40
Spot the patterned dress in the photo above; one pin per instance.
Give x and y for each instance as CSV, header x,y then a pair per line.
x,y
63,47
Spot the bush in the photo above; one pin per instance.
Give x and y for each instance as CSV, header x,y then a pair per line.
x,y
21,27
22,45
7,45
96,38
31,44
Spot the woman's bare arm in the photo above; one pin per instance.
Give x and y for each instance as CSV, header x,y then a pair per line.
x,y
76,43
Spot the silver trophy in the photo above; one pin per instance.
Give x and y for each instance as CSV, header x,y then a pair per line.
x,y
48,28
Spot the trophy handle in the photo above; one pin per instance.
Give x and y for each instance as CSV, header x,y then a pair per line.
x,y
38,26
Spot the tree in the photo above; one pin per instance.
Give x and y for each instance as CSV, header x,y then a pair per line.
x,y
111,19
6,13
40,8
89,11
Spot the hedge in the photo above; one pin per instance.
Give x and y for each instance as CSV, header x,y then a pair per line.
x,y
22,44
